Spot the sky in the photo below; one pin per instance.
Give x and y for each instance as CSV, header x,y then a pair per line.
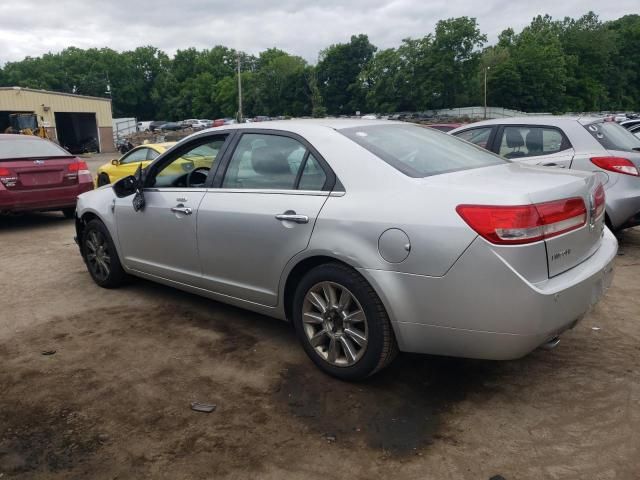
x,y
300,27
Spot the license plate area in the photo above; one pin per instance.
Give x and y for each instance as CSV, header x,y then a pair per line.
x,y
40,179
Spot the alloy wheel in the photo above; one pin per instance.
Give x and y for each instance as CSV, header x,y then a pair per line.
x,y
98,255
335,324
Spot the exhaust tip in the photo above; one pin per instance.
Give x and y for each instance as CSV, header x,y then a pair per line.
x,y
550,344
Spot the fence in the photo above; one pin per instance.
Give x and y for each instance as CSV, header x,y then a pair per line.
x,y
124,126
478,112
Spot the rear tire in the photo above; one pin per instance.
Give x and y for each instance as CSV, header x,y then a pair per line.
x,y
69,212
342,323
103,179
100,256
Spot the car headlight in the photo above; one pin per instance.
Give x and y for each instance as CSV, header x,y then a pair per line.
x,y
187,166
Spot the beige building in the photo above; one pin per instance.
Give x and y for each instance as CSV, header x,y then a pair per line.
x,y
69,119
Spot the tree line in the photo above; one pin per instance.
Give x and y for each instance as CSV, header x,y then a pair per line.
x,y
569,65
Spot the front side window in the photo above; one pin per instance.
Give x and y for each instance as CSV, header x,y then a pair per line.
x,y
136,156
531,141
271,162
191,167
477,136
420,152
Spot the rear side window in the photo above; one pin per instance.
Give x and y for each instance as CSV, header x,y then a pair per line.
x,y
420,152
613,137
530,141
30,148
313,176
477,136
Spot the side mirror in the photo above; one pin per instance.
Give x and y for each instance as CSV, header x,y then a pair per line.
x,y
115,162
126,186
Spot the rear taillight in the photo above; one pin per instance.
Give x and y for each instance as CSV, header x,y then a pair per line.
x,y
7,177
599,201
616,164
79,167
515,225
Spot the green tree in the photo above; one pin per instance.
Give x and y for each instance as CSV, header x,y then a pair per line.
x,y
338,72
455,59
623,78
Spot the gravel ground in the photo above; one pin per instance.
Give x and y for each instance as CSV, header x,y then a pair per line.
x,y
113,401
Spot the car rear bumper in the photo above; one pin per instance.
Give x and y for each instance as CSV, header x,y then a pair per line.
x,y
623,202
482,308
41,199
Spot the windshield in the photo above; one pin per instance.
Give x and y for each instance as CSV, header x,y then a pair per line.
x,y
420,152
613,137
30,148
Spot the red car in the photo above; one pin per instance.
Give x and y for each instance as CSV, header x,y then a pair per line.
x,y
38,175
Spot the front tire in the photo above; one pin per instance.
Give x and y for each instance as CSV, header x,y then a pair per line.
x,y
100,256
342,323
103,179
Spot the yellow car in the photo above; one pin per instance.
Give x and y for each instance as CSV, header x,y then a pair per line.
x,y
202,157
129,162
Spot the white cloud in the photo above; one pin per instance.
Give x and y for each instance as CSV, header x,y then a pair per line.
x,y
301,27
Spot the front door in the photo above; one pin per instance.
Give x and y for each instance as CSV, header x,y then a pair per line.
x,y
261,216
160,239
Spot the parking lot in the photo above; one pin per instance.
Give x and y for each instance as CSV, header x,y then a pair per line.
x,y
98,384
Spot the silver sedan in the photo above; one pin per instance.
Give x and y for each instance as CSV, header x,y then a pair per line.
x,y
589,144
369,236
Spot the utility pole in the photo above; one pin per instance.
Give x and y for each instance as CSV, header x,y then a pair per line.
x,y
239,92
485,91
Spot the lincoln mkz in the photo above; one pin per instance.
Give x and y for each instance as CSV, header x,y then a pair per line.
x,y
371,237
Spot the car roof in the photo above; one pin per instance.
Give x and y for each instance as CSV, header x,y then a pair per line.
x,y
551,120
302,126
158,146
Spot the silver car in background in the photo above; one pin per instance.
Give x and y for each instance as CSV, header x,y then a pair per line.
x,y
370,236
589,144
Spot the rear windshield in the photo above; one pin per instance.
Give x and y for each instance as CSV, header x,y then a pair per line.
x,y
30,148
613,137
420,152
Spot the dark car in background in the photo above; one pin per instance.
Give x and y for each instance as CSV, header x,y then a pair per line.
x,y
171,126
156,124
38,175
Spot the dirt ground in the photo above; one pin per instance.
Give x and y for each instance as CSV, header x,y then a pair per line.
x,y
113,401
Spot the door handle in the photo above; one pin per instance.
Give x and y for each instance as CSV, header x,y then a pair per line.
x,y
291,216
552,164
182,209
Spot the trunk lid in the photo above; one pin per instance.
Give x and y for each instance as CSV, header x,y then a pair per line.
x,y
572,248
38,173
516,184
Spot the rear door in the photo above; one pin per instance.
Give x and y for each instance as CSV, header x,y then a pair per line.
x,y
261,214
534,145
